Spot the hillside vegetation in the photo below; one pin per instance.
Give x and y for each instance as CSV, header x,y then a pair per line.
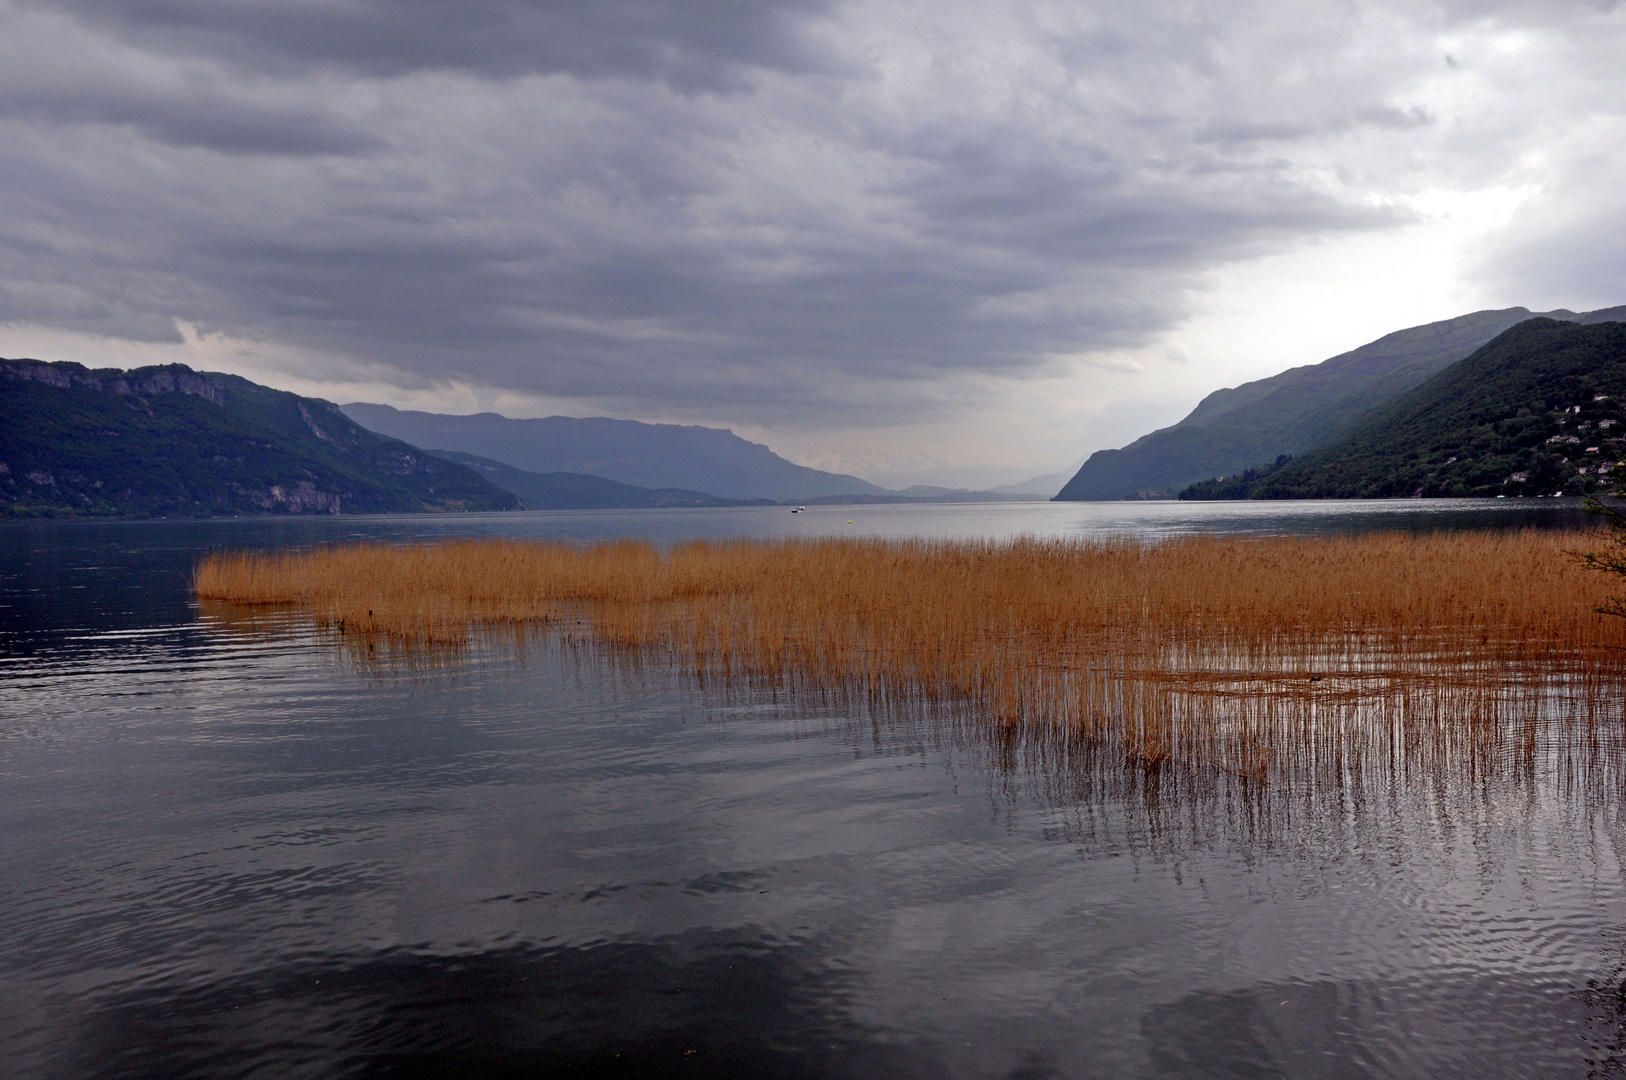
x,y
1250,426
170,441
1537,411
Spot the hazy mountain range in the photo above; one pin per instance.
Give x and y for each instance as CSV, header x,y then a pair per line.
x,y
672,456
1249,426
582,491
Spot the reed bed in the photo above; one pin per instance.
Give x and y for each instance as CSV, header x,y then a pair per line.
x,y
1236,654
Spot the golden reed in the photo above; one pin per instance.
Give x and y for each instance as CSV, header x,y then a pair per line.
x,y
1229,652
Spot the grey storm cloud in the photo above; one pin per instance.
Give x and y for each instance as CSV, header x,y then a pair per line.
x,y
690,45
788,208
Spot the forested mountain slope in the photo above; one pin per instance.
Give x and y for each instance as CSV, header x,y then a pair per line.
x,y
170,441
1251,425
1536,411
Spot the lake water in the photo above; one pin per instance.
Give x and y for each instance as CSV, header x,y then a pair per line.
x,y
228,852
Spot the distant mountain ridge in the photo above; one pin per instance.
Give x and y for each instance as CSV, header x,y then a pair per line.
x,y
1043,487
659,456
1539,410
581,491
168,440
1251,425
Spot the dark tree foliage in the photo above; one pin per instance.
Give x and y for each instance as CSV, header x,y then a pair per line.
x,y
1234,487
1612,558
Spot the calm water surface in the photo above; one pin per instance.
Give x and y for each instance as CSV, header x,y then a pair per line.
x,y
243,852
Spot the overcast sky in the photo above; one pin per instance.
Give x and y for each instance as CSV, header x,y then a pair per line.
x,y
886,237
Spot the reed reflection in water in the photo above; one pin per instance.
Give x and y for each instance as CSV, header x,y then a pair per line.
x,y
1449,820
1210,690
1268,659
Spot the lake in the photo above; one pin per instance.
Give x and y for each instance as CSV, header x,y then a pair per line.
x,y
240,851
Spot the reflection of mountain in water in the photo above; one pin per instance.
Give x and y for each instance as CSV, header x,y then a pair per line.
x,y
1309,1030
724,1003
699,1004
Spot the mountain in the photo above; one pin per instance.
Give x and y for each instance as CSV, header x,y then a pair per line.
x,y
1251,425
1536,411
994,478
580,491
1041,487
170,441
646,455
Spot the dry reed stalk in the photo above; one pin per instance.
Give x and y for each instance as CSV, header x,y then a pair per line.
x,y
1233,652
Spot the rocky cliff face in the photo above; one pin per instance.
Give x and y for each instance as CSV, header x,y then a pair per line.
x,y
177,379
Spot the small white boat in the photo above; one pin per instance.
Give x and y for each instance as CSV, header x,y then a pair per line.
x,y
799,510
